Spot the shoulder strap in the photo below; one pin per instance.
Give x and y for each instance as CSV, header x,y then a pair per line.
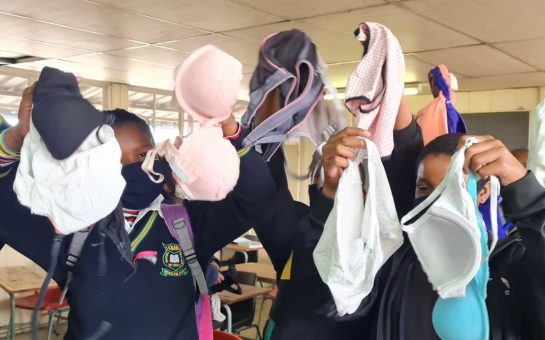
x,y
76,247
179,225
456,163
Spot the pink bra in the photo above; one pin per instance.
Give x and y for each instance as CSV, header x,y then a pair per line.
x,y
206,166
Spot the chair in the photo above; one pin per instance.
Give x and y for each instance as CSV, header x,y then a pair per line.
x,y
50,305
219,335
244,312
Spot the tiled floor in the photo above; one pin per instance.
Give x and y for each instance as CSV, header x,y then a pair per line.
x,y
43,334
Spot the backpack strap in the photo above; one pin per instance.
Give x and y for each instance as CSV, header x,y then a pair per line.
x,y
74,253
179,225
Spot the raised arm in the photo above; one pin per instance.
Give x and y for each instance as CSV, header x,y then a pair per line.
x,y
524,206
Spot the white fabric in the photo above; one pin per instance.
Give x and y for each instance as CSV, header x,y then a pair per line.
x,y
446,236
75,192
358,237
536,146
215,302
154,206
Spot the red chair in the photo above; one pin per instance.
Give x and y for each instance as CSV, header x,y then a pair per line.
x,y
219,335
51,305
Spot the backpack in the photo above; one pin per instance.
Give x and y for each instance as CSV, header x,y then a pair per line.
x,y
177,220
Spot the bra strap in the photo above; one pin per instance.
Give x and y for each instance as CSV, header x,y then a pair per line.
x,y
456,164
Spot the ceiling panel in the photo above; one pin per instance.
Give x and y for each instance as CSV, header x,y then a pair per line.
x,y
475,61
530,51
415,71
6,54
487,20
38,31
91,16
153,54
115,62
303,9
503,82
37,49
413,32
245,51
152,76
333,47
85,71
212,15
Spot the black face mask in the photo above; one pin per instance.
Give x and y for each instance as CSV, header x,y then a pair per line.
x,y
140,191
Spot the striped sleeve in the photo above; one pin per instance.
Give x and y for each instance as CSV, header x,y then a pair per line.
x,y
7,157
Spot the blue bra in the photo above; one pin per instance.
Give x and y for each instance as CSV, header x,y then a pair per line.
x,y
466,318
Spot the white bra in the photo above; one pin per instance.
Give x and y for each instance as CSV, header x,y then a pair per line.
x,y
444,233
358,236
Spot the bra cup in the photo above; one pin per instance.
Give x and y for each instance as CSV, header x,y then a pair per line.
x,y
207,83
461,318
446,248
211,163
446,238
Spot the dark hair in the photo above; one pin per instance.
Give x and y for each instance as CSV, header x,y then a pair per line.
x,y
445,144
119,117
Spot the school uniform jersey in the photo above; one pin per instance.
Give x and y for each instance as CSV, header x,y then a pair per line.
x,y
157,299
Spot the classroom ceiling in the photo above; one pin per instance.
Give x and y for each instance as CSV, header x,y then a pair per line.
x,y
488,44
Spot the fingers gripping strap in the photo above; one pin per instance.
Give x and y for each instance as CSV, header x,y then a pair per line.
x,y
184,239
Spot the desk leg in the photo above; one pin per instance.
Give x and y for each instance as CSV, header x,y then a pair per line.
x,y
11,329
229,318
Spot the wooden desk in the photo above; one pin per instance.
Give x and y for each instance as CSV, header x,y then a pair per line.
x,y
265,272
16,280
248,292
238,247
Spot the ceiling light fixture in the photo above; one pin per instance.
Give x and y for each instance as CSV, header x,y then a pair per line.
x,y
331,96
410,91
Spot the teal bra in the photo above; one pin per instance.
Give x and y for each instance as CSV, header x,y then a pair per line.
x,y
466,318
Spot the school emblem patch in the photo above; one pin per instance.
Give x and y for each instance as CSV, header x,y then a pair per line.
x,y
173,261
